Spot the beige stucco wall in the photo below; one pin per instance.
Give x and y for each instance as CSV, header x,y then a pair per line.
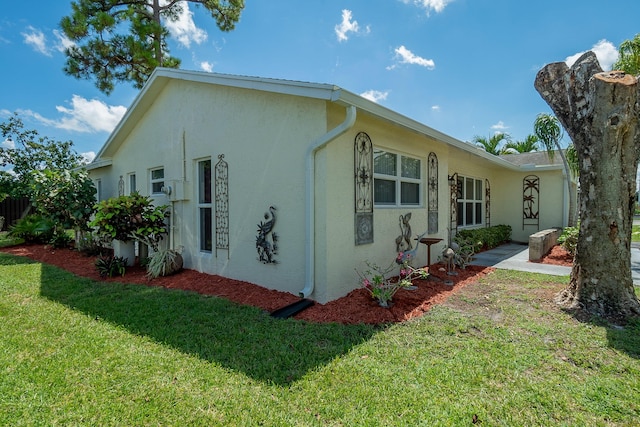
x,y
507,204
263,137
337,255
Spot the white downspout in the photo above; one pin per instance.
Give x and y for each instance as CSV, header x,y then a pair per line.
x,y
310,209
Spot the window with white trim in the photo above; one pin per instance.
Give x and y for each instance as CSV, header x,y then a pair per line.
x,y
157,180
396,179
205,217
98,184
132,183
470,199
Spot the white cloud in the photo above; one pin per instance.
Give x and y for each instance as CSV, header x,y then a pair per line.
x,y
184,29
437,5
605,51
405,56
347,25
63,41
375,95
435,108
500,126
36,39
88,157
206,66
8,143
84,116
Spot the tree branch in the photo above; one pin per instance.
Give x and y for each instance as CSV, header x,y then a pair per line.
x,y
564,89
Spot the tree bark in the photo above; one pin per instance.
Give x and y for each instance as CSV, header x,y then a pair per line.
x,y
600,112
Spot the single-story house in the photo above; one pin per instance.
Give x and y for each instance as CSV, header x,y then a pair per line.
x,y
292,185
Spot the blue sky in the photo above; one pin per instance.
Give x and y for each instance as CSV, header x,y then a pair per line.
x,y
463,67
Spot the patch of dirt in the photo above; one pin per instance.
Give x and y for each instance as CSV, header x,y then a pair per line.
x,y
356,307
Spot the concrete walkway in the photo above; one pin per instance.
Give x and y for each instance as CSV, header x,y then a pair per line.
x,y
515,256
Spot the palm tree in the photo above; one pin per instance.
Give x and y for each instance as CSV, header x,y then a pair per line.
x,y
492,144
548,130
529,144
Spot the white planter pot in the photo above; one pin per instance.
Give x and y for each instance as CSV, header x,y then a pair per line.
x,y
125,250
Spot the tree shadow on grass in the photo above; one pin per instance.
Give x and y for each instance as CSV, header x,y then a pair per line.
x,y
625,338
622,334
238,337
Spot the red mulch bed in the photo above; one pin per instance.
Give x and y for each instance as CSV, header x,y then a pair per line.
x,y
356,307
558,256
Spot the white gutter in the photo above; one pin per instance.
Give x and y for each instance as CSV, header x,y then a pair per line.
x,y
310,208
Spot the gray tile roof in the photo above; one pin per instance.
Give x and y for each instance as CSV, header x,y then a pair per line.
x,y
538,158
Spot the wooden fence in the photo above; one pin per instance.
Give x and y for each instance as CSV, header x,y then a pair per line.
x,y
13,209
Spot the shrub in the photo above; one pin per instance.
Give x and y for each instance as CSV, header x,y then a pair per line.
x,y
127,217
89,245
60,239
164,262
486,238
109,265
33,229
569,239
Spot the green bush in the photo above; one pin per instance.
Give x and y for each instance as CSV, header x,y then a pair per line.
x,y
109,265
569,239
61,239
486,238
127,217
33,229
89,245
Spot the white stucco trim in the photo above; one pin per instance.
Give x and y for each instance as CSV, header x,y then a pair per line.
x,y
97,164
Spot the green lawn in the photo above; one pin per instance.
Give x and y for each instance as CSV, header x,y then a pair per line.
x,y
635,233
78,352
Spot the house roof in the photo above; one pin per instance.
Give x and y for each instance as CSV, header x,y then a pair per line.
x,y
330,93
537,158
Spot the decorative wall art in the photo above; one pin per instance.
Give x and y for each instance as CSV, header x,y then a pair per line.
x,y
433,193
222,204
487,203
403,241
267,239
363,181
530,201
454,189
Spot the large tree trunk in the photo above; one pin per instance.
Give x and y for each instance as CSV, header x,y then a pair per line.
x,y
600,112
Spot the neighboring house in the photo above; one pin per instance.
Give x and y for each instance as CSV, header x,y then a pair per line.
x,y
293,185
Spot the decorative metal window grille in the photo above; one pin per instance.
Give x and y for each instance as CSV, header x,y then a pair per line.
x,y
453,206
363,181
531,201
433,193
487,203
121,186
222,204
